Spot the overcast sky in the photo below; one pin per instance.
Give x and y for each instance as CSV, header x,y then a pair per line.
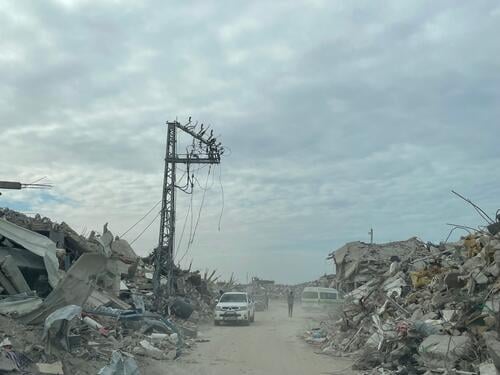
x,y
339,115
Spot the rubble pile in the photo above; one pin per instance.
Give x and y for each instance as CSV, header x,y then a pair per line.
x,y
84,305
414,308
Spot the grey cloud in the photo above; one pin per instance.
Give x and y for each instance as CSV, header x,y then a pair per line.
x,y
339,116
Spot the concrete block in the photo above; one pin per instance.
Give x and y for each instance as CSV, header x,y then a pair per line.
x,y
55,368
493,345
438,350
11,270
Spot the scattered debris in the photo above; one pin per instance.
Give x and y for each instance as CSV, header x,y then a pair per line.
x,y
84,304
121,364
417,308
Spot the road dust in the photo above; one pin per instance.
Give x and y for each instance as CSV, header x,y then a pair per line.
x,y
270,346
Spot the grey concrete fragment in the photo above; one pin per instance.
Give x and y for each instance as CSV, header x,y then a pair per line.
x,y
74,289
122,248
7,285
12,272
19,304
488,369
443,350
35,243
493,345
121,364
23,258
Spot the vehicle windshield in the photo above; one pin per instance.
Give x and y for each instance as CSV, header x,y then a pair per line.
x,y
233,298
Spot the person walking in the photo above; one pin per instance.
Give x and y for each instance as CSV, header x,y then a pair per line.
x,y
290,298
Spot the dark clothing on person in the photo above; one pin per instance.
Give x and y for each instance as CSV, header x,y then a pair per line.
x,y
290,299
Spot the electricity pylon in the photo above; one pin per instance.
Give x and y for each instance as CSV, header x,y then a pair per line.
x,y
204,150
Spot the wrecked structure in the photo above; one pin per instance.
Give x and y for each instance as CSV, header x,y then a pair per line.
x,y
80,305
424,308
357,263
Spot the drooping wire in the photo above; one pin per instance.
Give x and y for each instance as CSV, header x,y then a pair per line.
x,y
141,219
145,229
201,206
193,232
184,225
222,195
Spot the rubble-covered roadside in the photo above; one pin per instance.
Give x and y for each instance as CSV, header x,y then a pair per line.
x,y
415,308
84,305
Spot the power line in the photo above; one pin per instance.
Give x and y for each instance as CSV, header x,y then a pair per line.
x,y
222,195
201,205
144,230
142,218
193,233
185,222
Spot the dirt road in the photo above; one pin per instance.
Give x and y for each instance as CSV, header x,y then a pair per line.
x,y
270,346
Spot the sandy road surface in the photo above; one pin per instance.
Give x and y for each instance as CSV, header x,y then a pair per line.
x,y
270,346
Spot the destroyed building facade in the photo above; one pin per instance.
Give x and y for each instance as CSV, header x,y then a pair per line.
x,y
357,262
65,297
415,308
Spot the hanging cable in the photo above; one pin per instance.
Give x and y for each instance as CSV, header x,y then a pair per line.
x,y
184,225
222,195
142,218
145,229
193,234
201,206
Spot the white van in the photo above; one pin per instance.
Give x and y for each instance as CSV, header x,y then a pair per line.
x,y
320,297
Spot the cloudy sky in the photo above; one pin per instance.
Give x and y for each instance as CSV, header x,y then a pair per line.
x,y
339,115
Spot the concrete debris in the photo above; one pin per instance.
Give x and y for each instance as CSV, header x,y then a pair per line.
x,y
444,350
82,304
411,307
357,263
35,243
121,364
20,304
50,368
57,327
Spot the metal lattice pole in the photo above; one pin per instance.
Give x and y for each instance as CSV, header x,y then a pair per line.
x,y
212,151
165,251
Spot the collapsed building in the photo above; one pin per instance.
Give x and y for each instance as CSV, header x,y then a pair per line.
x,y
77,302
415,308
356,263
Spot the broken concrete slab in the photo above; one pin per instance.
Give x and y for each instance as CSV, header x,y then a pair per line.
x,y
486,368
122,249
74,289
444,350
35,243
102,298
150,350
7,285
19,304
23,258
121,364
12,272
55,368
493,345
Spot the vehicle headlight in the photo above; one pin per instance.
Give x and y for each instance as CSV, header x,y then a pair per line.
x,y
218,308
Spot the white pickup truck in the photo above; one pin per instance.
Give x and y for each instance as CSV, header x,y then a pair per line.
x,y
235,307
